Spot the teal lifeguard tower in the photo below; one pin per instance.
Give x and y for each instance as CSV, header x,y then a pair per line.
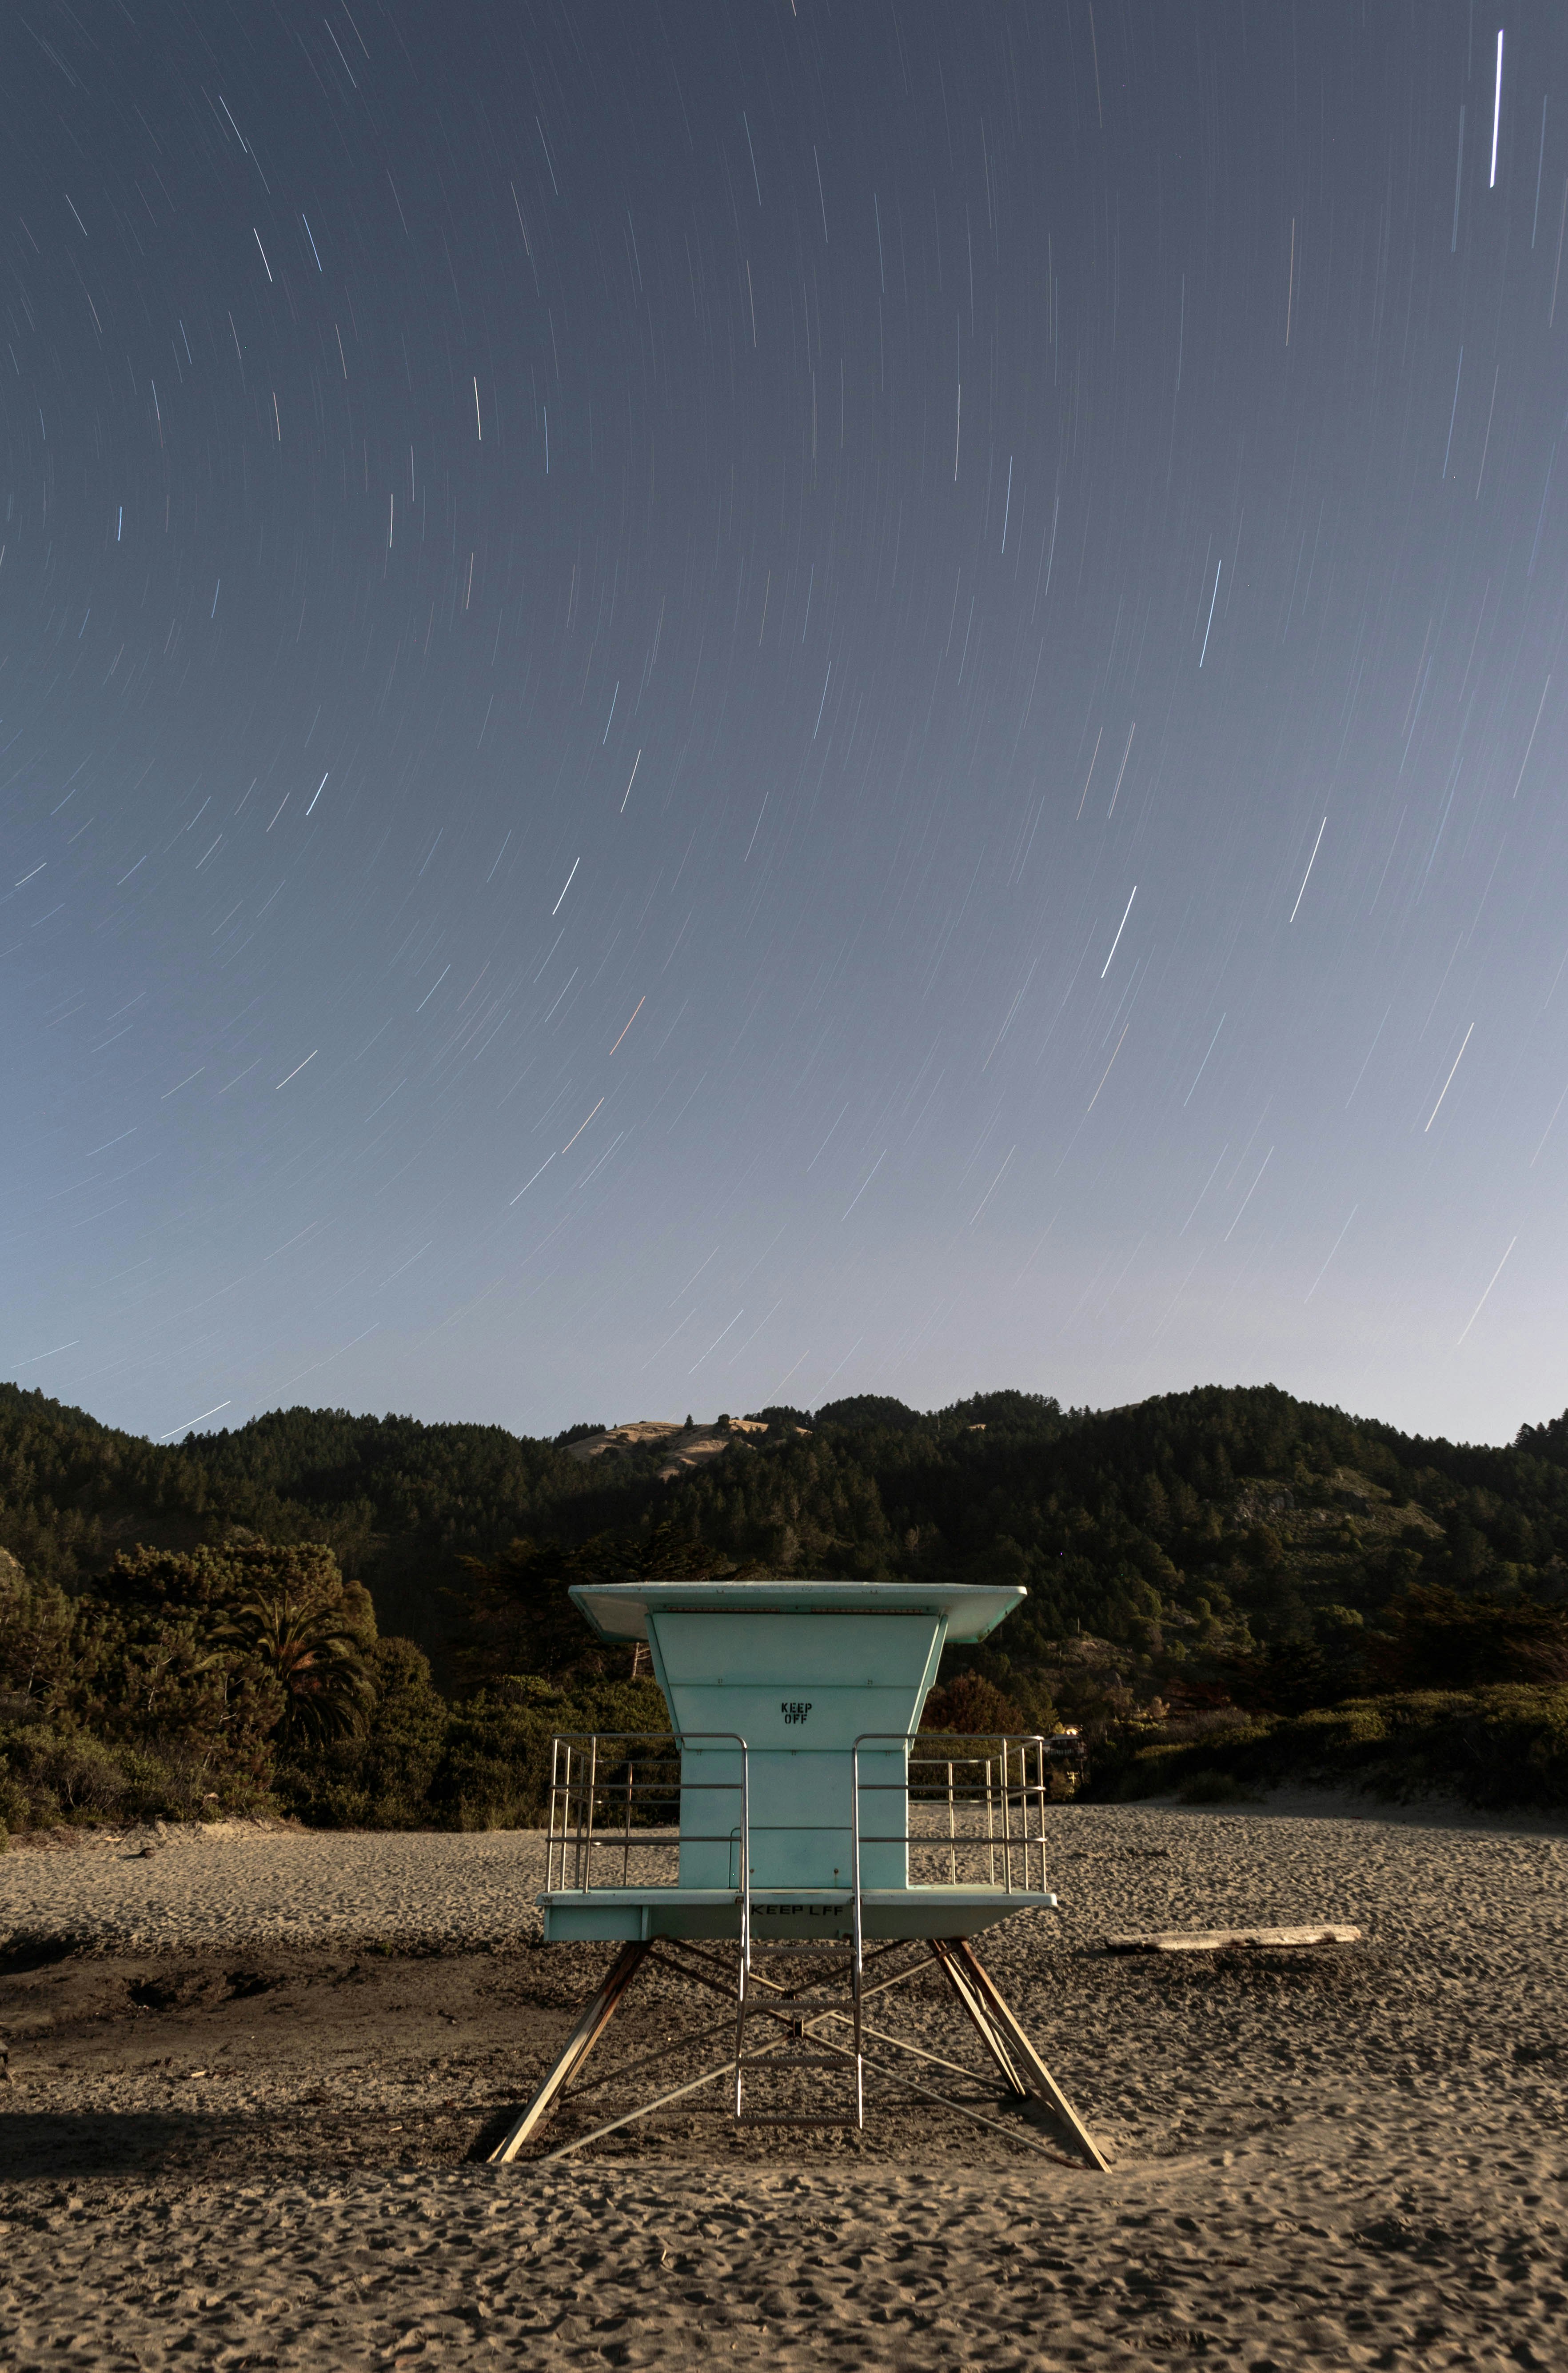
x,y
796,1803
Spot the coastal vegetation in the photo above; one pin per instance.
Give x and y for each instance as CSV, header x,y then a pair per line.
x,y
365,1621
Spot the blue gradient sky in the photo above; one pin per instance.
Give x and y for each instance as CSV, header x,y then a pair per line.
x,y
723,706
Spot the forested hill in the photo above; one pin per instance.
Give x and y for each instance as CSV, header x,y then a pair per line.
x,y
1220,1520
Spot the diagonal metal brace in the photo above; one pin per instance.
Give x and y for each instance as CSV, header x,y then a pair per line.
x,y
958,1977
578,2044
1022,2067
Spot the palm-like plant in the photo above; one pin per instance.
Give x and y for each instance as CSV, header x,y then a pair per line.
x,y
317,1664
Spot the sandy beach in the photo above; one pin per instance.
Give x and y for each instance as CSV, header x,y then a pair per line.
x,y
252,2075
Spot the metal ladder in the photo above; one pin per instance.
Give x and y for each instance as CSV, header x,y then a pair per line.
x,y
803,2015
799,2048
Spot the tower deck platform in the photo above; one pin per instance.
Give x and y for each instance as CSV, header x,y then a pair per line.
x,y
605,1913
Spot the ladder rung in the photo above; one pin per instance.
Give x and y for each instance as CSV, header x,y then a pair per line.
x,y
747,2119
795,2006
777,2060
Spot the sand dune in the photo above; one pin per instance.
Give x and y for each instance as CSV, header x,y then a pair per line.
x,y
237,2132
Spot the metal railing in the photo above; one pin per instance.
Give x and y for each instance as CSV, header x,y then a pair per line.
x,y
616,1794
977,1818
973,1815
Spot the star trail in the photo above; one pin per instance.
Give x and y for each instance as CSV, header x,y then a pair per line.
x,y
766,702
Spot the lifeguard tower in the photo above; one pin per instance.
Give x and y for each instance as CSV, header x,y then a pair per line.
x,y
796,1804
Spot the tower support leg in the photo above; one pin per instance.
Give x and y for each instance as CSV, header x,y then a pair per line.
x,y
578,2044
1022,2069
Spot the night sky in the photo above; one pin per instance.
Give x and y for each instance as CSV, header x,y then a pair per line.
x,y
711,706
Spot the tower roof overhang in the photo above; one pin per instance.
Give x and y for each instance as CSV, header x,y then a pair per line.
x,y
620,1611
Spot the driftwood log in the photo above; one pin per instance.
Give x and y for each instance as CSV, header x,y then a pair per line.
x,y
1214,1940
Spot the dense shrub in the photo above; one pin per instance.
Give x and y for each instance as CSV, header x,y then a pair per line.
x,y
51,1774
495,1772
969,1705
1496,1747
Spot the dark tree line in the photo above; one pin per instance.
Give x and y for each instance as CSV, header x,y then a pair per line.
x,y
367,1618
